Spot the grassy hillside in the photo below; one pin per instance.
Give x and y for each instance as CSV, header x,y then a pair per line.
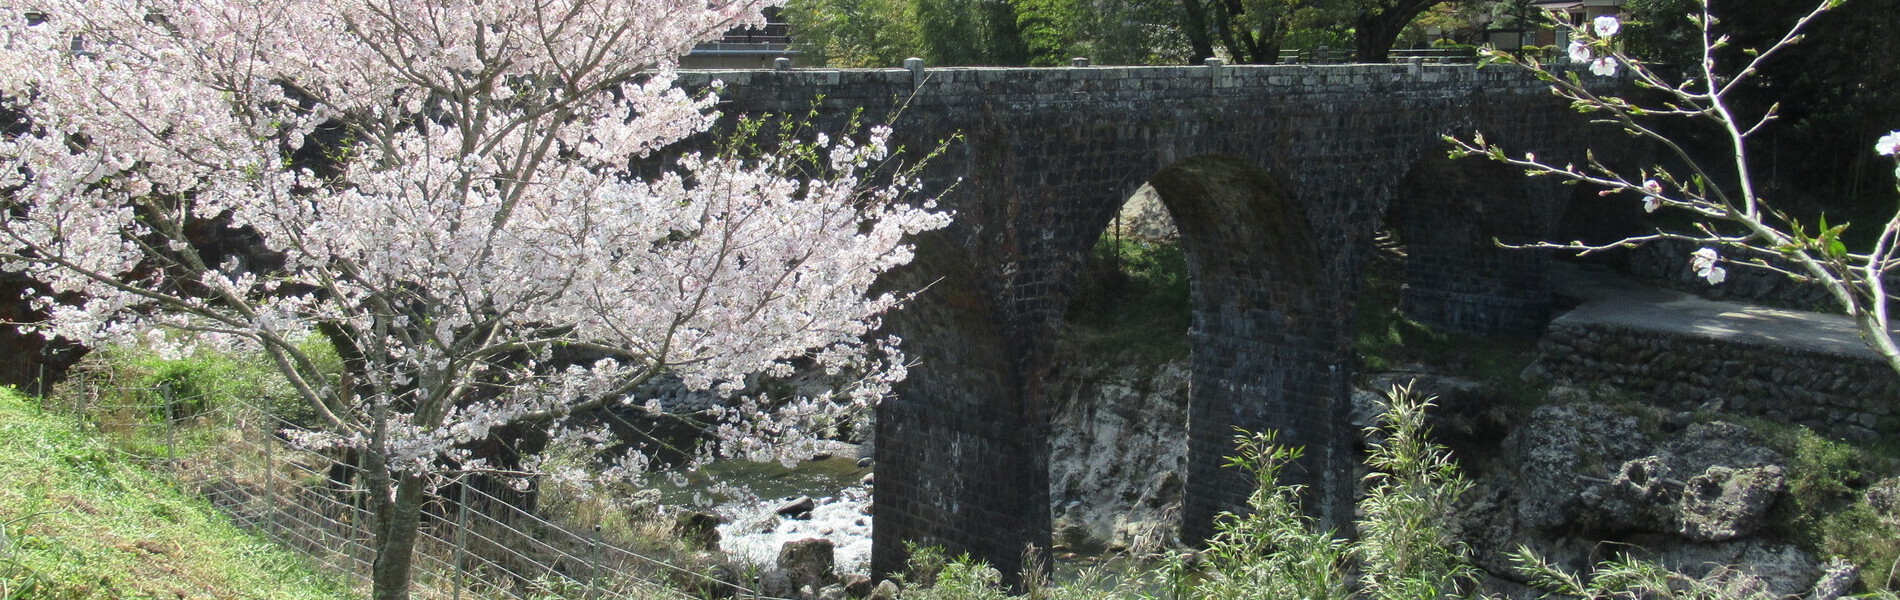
x,y
76,522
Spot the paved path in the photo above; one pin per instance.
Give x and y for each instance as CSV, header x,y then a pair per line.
x,y
1613,300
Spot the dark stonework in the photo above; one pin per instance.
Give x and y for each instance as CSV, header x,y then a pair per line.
x,y
1279,177
27,361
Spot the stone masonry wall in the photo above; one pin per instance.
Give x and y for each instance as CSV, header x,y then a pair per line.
x,y
1850,395
1279,177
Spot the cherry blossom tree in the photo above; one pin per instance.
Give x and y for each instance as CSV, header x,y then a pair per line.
x,y
447,193
1732,222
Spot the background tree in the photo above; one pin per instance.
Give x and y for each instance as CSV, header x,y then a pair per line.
x,y
1723,200
1814,158
1377,24
880,33
446,193
965,32
855,33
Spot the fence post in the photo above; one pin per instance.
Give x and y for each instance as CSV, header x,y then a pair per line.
x,y
461,533
171,443
270,480
593,556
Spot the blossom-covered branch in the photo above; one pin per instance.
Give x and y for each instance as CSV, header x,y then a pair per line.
x,y
446,192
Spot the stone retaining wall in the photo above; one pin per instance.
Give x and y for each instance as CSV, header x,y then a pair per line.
x,y
1850,395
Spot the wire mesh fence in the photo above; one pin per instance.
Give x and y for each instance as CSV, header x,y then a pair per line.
x,y
479,537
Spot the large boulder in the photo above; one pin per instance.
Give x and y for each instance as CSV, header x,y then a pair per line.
x,y
1725,503
808,562
1643,496
1561,449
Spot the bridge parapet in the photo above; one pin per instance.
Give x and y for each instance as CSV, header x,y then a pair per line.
x,y
1057,88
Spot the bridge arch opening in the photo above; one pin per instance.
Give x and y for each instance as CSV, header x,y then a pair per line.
x,y
1119,390
1265,346
1447,220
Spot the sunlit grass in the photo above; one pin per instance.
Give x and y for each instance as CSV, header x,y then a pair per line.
x,y
81,523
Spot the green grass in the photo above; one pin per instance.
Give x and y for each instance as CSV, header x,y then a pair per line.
x,y
1386,339
80,523
1826,510
1131,299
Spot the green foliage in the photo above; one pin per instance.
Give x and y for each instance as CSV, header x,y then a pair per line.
x,y
958,32
1133,32
881,33
962,579
855,33
77,522
1825,509
1050,29
1629,577
1406,550
1132,297
1822,474
202,379
1869,537
1275,551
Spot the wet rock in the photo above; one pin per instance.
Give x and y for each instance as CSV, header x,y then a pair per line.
x,y
885,590
776,583
808,562
1724,503
795,506
857,585
1836,579
1069,534
722,581
865,463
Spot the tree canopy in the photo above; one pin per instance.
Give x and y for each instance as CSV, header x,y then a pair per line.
x,y
448,194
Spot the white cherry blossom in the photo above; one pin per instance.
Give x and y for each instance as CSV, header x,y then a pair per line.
x,y
450,185
1888,145
1579,51
1652,199
1603,67
1606,25
1705,262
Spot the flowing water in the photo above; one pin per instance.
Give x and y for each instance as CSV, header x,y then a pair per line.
x,y
753,532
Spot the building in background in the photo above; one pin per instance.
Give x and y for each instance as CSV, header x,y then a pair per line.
x,y
745,48
1576,12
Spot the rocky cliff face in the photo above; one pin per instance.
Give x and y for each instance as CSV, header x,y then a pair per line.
x,y
1580,482
1118,449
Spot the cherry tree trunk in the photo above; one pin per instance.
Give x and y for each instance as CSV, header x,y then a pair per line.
x,y
398,519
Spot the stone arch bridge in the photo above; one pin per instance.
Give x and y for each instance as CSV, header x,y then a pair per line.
x,y
1278,178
